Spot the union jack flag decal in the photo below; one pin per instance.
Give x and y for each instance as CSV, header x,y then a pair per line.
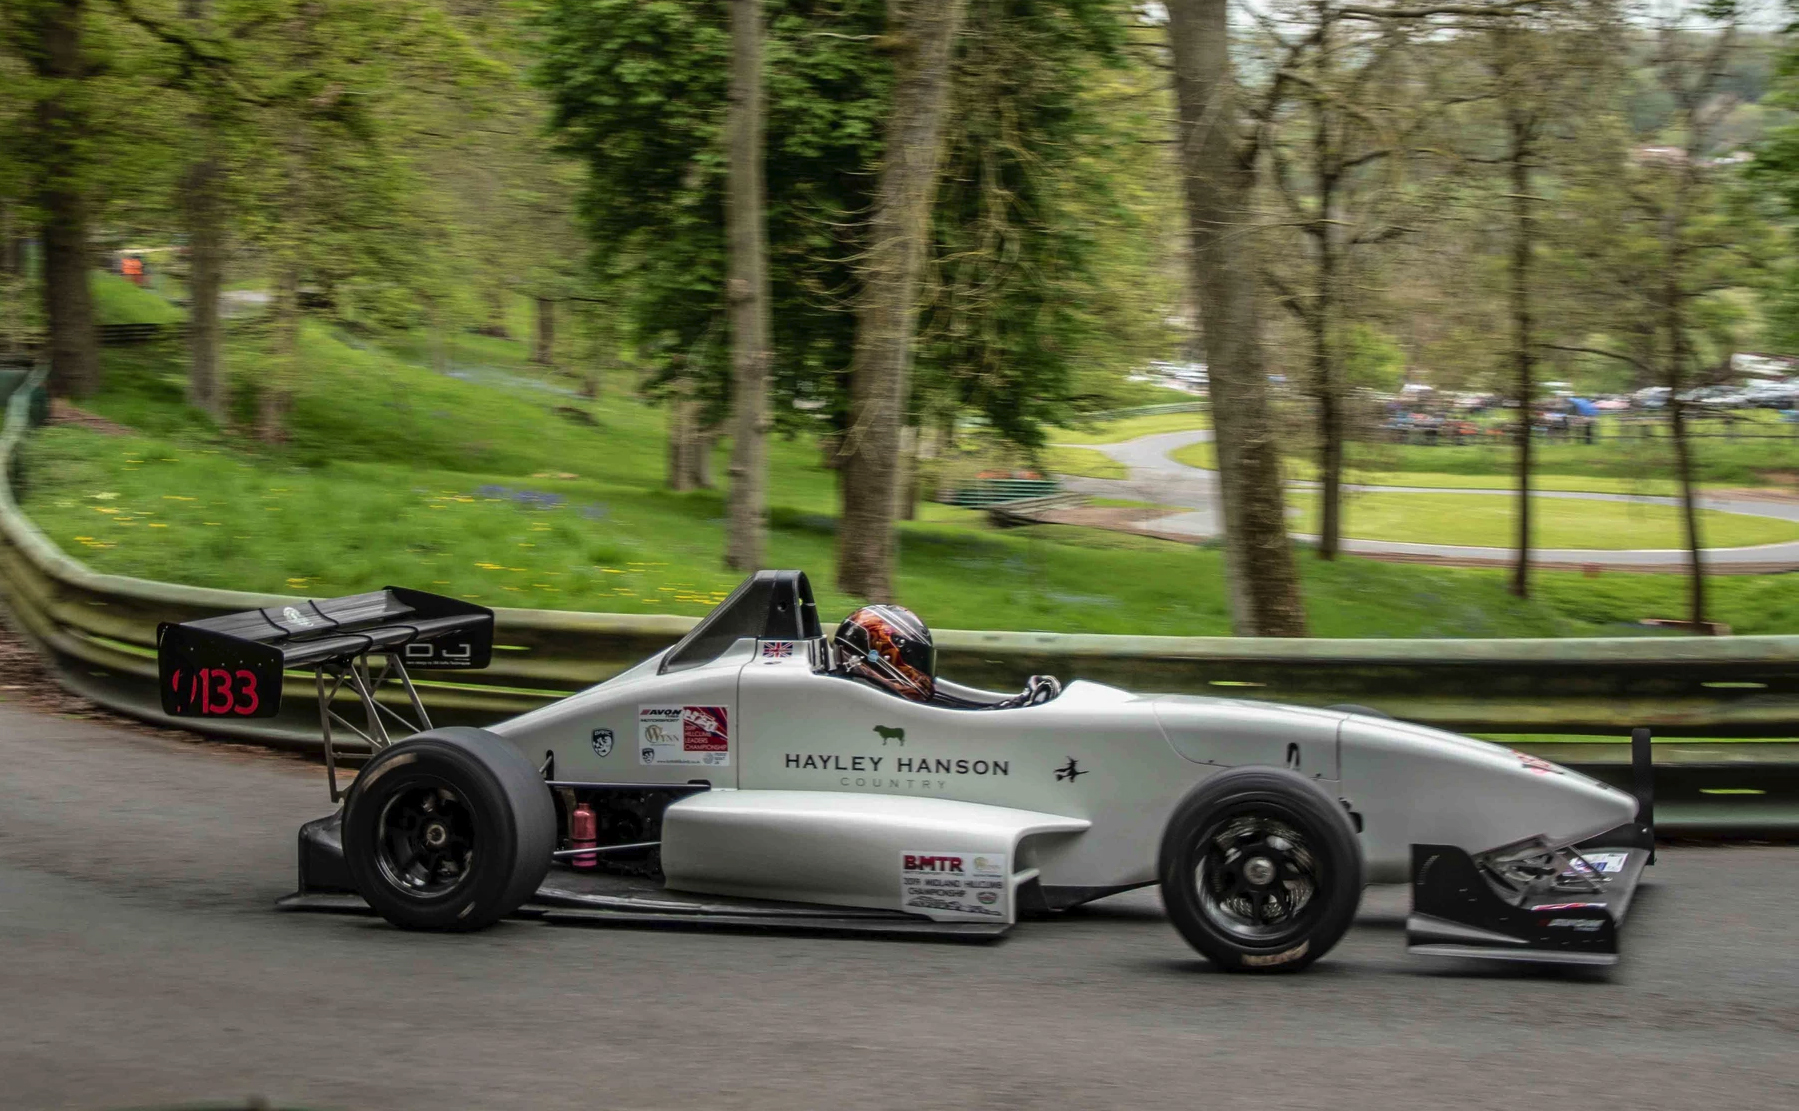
x,y
777,649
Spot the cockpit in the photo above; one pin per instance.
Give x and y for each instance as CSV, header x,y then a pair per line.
x,y
885,647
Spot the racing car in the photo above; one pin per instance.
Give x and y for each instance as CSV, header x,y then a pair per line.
x,y
751,775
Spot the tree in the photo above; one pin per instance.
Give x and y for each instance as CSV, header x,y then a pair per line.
x,y
639,94
1543,69
1663,236
1334,168
1689,69
748,292
1032,292
48,35
1218,175
887,312
203,211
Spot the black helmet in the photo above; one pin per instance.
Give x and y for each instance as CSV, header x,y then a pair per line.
x,y
889,645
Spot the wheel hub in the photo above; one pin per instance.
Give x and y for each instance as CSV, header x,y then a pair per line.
x,y
425,840
1259,871
1256,876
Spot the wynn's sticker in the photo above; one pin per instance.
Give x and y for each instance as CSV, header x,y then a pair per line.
x,y
1605,863
955,887
698,735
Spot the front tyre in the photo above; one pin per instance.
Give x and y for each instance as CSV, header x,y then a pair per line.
x,y
449,830
1261,870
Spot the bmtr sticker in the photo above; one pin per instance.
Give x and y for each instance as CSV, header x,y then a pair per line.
x,y
956,887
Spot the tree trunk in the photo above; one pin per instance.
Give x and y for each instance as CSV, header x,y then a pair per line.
x,y
1523,361
681,434
699,455
1330,444
543,351
276,392
12,279
205,265
1674,323
906,489
748,291
888,310
495,302
62,198
1327,375
1689,514
1263,581
204,216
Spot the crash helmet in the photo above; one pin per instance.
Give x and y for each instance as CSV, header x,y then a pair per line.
x,y
890,646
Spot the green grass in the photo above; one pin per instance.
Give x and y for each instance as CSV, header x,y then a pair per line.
x,y
1484,520
1130,428
118,301
1083,462
396,474
1298,468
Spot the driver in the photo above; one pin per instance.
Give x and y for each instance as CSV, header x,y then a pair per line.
x,y
890,647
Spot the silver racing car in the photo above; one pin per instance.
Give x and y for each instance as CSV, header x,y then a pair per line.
x,y
759,774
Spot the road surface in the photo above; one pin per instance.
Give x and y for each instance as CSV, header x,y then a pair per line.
x,y
140,963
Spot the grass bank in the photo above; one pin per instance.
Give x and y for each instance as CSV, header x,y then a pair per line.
x,y
501,487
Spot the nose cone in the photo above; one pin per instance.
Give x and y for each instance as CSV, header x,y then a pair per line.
x,y
1415,785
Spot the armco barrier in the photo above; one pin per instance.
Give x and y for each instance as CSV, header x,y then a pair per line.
x,y
99,630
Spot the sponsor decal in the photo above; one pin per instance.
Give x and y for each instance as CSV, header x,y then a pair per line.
x,y
1069,771
294,617
602,742
1584,925
1567,906
955,887
684,735
1536,763
1285,956
777,649
889,773
1605,864
888,734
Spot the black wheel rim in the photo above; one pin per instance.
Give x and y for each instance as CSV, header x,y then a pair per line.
x,y
1257,876
425,840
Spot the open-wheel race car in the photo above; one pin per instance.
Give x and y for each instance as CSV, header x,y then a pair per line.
x,y
759,773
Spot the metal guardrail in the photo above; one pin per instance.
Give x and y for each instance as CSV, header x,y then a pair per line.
x,y
98,631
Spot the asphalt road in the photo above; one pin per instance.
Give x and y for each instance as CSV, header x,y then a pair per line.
x,y
140,963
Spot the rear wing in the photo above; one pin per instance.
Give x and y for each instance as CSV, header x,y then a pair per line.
x,y
231,666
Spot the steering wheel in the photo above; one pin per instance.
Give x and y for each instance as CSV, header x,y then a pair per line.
x,y
1039,689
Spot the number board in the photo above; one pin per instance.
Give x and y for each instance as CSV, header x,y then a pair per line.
x,y
205,674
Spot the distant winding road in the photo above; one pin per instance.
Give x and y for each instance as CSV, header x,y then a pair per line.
x,y
1154,476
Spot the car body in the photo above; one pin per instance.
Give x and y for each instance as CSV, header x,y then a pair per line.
x,y
743,764
1113,761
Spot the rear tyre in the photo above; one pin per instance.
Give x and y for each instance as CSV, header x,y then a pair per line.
x,y
449,830
1261,870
